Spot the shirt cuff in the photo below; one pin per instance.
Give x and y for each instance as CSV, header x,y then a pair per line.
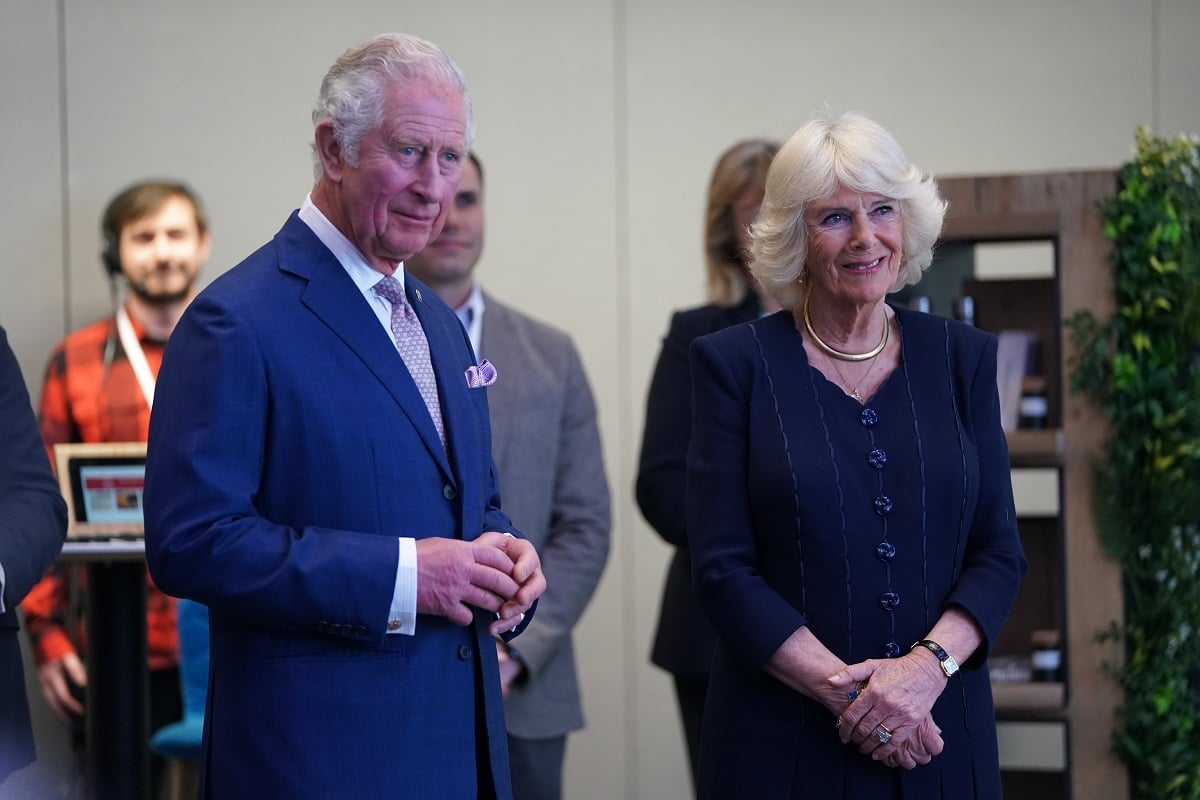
x,y
402,617
2,609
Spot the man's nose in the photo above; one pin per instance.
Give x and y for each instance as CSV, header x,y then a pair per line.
x,y
162,247
428,179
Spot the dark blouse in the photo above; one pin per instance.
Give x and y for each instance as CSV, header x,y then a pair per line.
x,y
863,522
683,640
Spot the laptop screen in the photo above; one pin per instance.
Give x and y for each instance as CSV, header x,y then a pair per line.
x,y
102,484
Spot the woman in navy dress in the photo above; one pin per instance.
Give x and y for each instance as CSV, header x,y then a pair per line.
x,y
849,505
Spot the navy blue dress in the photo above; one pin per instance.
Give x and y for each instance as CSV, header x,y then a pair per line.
x,y
863,522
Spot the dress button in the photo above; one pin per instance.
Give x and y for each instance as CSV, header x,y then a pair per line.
x,y
449,492
883,505
889,600
877,458
891,650
464,652
885,551
868,417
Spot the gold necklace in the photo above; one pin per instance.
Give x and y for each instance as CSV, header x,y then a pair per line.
x,y
854,392
838,354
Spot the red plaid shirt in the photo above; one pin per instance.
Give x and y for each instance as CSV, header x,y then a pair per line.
x,y
85,401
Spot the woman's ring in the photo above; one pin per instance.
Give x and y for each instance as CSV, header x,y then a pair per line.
x,y
883,734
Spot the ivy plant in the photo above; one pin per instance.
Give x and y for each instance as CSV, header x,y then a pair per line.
x,y
1142,366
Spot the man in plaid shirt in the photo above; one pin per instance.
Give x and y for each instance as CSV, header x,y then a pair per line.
x,y
99,387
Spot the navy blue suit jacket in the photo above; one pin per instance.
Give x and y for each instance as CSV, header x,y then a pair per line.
x,y
33,522
288,448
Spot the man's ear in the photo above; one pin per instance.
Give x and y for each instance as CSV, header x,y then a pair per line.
x,y
205,248
328,150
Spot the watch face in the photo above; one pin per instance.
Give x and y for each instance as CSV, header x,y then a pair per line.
x,y
949,665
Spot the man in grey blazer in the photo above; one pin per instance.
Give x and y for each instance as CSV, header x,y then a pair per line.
x,y
551,475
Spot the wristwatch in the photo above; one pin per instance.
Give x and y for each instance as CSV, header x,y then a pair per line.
x,y
949,665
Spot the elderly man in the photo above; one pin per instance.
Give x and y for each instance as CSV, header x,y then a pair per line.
x,y
547,449
320,474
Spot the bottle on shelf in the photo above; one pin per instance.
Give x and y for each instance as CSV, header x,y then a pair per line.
x,y
1047,656
964,309
1034,407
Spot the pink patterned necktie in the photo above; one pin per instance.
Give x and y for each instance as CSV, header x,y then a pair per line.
x,y
413,347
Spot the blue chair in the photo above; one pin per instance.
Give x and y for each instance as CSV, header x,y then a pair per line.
x,y
182,739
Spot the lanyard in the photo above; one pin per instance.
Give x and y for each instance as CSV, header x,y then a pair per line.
x,y
137,358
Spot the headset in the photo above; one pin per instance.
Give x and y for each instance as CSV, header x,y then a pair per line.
x,y
110,254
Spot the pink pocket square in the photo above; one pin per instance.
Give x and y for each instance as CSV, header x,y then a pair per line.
x,y
483,375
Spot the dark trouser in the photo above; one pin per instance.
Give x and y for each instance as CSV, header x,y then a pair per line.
x,y
690,691
537,767
166,706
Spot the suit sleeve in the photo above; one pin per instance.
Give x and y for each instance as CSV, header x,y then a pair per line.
x,y
993,561
206,538
750,616
576,548
33,515
662,467
46,604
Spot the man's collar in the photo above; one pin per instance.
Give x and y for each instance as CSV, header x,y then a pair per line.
x,y
363,274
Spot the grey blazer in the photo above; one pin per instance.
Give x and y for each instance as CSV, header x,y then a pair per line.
x,y
552,484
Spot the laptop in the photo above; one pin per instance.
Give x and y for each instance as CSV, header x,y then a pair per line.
x,y
102,484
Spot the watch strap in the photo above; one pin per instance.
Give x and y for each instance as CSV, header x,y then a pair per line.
x,y
947,663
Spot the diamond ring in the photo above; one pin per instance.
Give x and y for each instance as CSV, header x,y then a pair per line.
x,y
883,734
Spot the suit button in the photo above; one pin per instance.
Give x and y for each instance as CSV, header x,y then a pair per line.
x,y
449,492
323,626
360,630
464,652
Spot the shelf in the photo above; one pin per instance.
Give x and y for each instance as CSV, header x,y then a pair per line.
x,y
1055,741
1028,696
1036,448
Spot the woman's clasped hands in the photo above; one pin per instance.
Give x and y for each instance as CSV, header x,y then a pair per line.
x,y
887,711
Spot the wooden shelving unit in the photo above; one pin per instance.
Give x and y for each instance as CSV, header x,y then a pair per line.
x,y
1072,585
1019,696
1042,448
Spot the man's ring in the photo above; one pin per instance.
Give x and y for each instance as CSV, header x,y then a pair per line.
x,y
883,734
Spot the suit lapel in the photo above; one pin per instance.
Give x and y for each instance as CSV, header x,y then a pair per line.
x,y
334,298
496,344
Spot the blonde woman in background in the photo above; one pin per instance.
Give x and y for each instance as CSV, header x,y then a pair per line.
x,y
683,644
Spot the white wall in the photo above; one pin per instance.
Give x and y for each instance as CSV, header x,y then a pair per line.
x,y
598,124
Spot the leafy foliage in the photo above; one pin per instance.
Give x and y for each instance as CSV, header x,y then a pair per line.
x,y
1142,366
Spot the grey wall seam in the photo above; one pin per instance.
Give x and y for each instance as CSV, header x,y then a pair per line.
x,y
64,165
623,521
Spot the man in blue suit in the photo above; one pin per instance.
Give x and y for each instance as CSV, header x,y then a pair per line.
x,y
320,475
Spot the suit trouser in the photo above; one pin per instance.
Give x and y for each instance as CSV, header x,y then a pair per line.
x,y
537,767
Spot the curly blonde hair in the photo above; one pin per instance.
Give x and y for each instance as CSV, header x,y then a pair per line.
x,y
827,152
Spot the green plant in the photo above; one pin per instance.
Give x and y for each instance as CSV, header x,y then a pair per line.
x,y
1142,366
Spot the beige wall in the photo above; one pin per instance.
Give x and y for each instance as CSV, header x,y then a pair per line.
x,y
598,123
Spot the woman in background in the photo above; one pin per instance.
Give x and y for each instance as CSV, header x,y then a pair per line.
x,y
684,642
849,499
